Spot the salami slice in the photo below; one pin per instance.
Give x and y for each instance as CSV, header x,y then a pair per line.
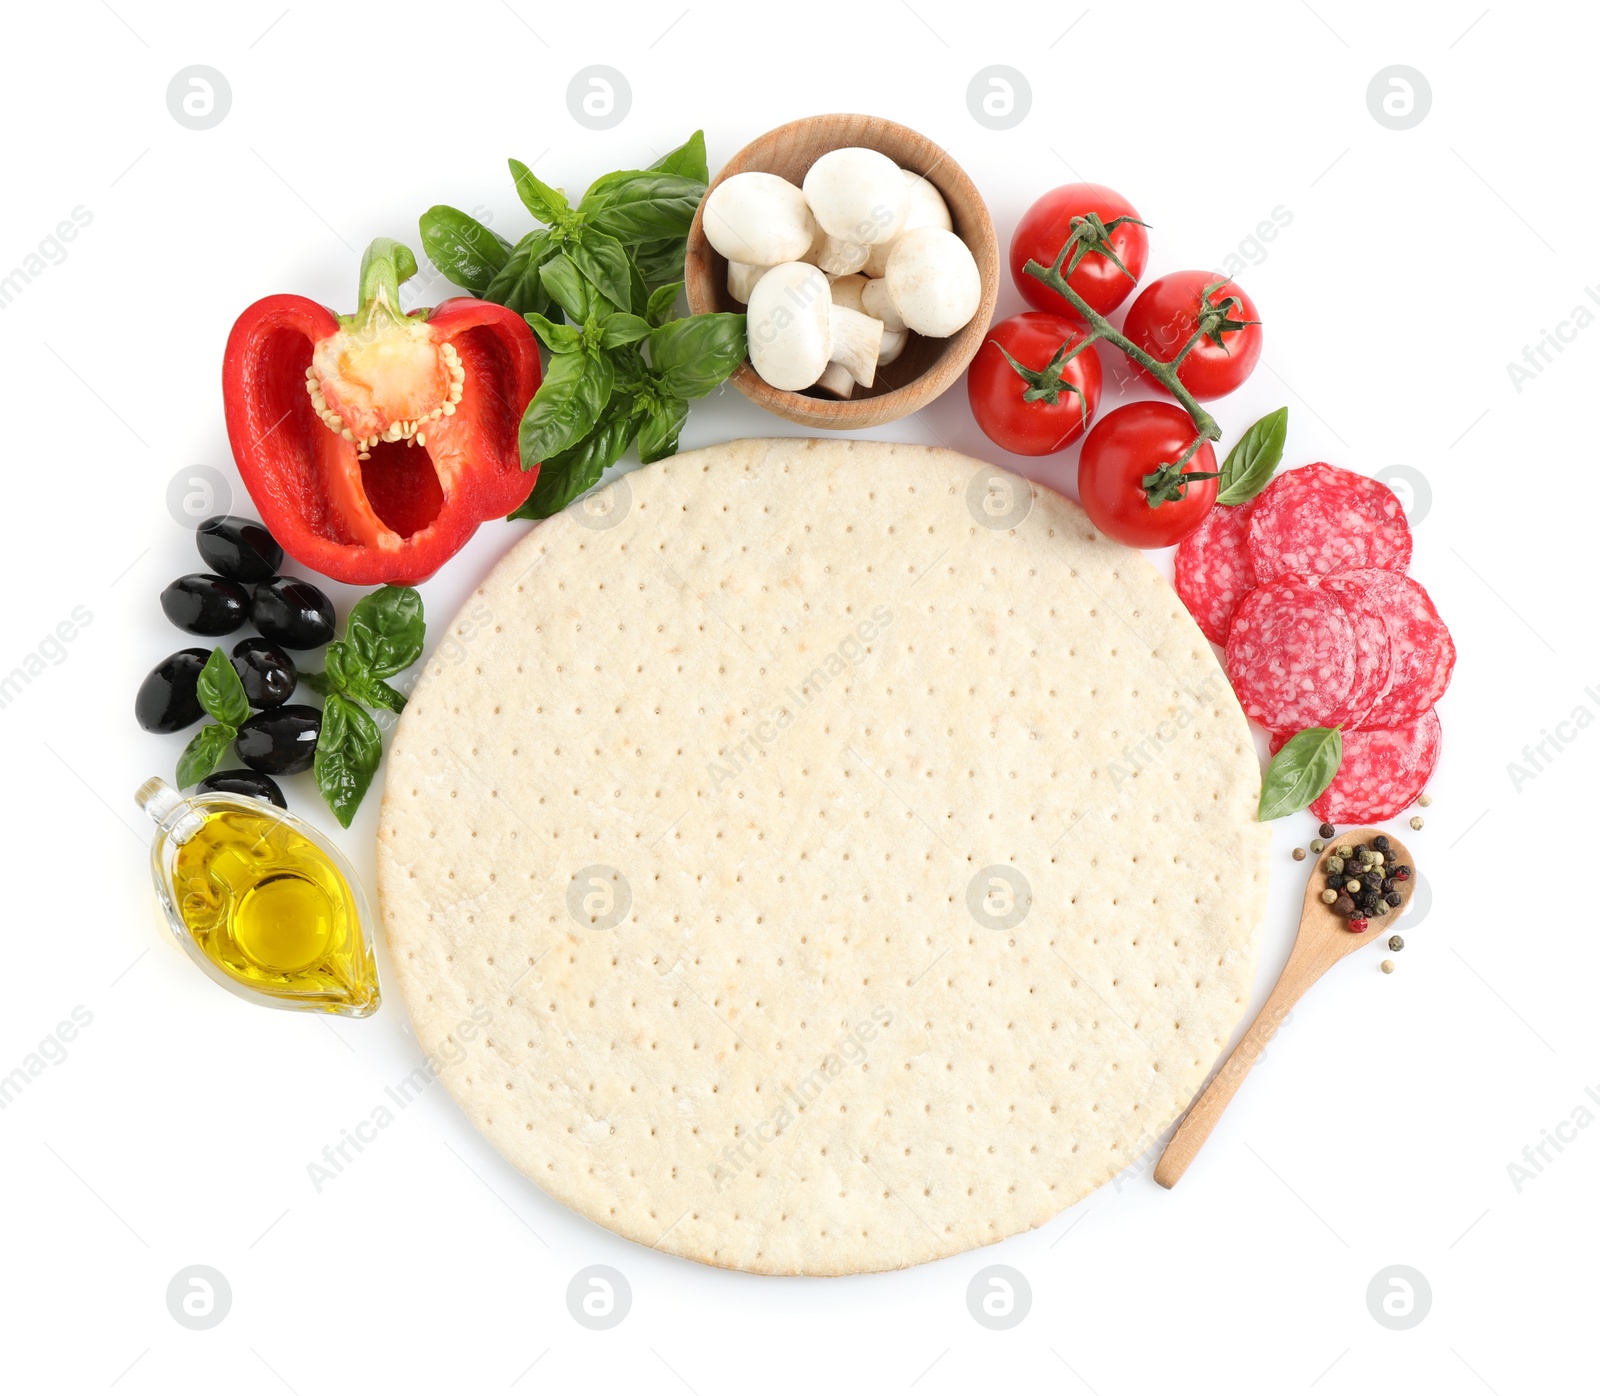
x,y
1212,568
1383,771
1321,519
1291,655
1421,652
1373,647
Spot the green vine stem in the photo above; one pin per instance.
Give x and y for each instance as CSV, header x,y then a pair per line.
x,y
1165,374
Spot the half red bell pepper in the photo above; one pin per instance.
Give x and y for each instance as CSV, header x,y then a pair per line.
x,y
374,444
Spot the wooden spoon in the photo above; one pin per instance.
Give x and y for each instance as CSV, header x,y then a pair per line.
x,y
1323,940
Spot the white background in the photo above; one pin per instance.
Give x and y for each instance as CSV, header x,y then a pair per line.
x,y
1379,1127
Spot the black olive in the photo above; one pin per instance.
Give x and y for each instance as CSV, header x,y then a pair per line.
x,y
267,673
293,613
205,605
239,549
280,741
242,782
168,700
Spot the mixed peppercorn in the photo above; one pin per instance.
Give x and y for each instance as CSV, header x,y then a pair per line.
x,y
1362,883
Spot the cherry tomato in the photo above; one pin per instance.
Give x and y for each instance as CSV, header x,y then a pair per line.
x,y
1123,452
1167,315
1046,227
999,394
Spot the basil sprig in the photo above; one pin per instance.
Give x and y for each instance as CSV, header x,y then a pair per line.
x,y
221,694
1254,457
598,284
1303,768
383,635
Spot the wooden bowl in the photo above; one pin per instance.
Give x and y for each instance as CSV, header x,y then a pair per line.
x,y
926,367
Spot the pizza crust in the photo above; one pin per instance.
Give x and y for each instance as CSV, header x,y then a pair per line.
x,y
837,856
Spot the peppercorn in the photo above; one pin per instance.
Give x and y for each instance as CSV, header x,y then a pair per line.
x,y
1317,845
1416,821
1377,860
1352,886
1344,904
1358,924
1299,855
1345,851
1371,881
1329,896
1381,843
1393,898
1326,830
1397,943
1424,800
1402,874
1359,849
1387,885
1335,864
1387,966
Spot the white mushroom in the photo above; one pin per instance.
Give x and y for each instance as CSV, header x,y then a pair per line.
x,y
787,323
839,256
758,219
742,278
855,341
836,381
876,303
933,281
893,342
857,194
846,291
927,210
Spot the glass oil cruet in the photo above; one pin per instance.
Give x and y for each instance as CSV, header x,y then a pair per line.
x,y
262,902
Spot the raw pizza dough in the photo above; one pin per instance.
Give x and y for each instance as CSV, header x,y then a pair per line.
x,y
818,857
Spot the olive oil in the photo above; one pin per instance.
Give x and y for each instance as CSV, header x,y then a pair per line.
x,y
260,902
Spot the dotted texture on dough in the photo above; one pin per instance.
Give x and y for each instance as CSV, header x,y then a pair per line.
x,y
796,706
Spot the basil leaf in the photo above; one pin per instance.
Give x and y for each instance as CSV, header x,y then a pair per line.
x,y
658,309
564,284
617,330
204,752
689,357
467,252
658,435
637,290
318,682
598,194
660,260
648,205
1254,457
631,372
604,264
348,749
375,693
503,285
1303,768
220,691
558,339
564,477
385,631
688,160
544,203
569,402
338,664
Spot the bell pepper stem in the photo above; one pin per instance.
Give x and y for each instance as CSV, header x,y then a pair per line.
x,y
384,266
